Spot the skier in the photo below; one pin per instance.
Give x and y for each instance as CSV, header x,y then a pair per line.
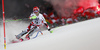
x,y
37,21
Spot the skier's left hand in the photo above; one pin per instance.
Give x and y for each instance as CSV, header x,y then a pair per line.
x,y
51,31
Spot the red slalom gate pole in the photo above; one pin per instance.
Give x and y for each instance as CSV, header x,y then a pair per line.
x,y
4,23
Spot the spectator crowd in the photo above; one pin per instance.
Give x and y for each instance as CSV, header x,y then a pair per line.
x,y
79,14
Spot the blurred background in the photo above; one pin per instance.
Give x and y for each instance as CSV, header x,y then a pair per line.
x,y
56,12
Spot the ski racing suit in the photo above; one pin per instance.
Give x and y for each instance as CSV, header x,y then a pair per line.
x,y
36,23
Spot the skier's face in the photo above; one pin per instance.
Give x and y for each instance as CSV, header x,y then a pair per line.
x,y
36,11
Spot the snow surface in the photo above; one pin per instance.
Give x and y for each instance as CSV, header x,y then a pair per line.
x,y
79,36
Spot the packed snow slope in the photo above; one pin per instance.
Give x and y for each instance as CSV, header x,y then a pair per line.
x,y
79,36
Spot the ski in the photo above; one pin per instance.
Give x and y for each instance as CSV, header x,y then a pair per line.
x,y
21,39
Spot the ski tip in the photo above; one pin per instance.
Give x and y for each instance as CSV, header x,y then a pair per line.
x,y
41,33
13,41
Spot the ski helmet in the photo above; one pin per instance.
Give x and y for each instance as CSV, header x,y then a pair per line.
x,y
36,9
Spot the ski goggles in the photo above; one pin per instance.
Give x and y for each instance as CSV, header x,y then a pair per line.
x,y
35,11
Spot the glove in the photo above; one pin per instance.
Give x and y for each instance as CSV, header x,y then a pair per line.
x,y
51,31
33,17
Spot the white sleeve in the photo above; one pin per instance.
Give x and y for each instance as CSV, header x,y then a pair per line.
x,y
43,19
45,22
